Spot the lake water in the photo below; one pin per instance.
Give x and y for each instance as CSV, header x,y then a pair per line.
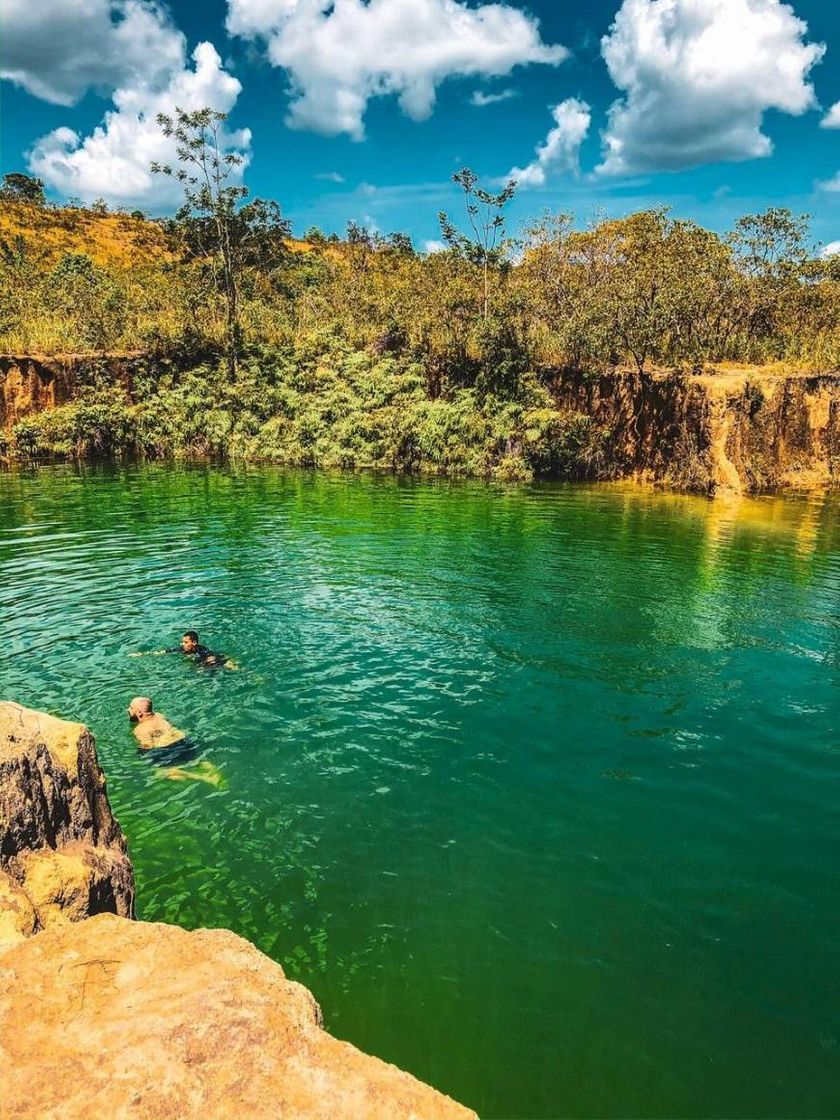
x,y
537,788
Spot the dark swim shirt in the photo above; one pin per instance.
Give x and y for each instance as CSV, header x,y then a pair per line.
x,y
201,654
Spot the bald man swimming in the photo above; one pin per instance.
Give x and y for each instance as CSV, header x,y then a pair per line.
x,y
154,732
152,729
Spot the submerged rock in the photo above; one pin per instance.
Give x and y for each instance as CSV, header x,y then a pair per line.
x,y
60,844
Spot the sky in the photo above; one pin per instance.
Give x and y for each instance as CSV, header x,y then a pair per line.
x,y
363,109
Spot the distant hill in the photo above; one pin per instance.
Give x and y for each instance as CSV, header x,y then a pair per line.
x,y
110,240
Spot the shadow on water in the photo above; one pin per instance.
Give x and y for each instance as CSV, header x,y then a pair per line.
x,y
535,787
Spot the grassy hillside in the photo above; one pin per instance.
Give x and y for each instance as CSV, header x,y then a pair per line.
x,y
111,241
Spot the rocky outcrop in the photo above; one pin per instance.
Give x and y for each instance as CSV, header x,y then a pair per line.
x,y
735,430
62,853
117,1018
17,914
30,384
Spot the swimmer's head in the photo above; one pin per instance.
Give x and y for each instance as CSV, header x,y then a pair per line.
x,y
189,642
139,707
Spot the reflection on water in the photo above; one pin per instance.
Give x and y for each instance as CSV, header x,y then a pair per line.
x,y
535,787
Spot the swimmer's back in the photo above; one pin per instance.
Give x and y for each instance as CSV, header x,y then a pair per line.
x,y
156,732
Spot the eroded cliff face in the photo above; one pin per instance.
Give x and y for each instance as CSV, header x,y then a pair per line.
x,y
31,384
742,431
62,853
736,431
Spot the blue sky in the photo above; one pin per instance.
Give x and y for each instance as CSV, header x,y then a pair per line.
x,y
363,111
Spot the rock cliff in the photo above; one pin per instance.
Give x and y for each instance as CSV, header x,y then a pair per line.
x,y
113,1017
744,430
117,1018
31,383
62,853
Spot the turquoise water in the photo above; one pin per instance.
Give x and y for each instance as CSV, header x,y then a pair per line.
x,y
535,787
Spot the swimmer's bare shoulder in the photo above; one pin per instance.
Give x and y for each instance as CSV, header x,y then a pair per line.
x,y
155,731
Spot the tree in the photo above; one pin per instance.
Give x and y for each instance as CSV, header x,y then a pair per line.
x,y
18,187
204,170
771,246
400,243
486,246
771,255
89,300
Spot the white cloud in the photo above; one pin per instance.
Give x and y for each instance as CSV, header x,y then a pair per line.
x,y
59,49
832,184
113,162
832,249
698,76
433,246
561,148
479,98
330,176
832,117
339,54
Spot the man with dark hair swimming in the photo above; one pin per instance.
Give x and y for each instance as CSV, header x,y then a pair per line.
x,y
191,648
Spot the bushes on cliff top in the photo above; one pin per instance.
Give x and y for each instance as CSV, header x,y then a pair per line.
x,y
646,290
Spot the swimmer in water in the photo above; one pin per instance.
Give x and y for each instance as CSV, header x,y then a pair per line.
x,y
190,647
154,732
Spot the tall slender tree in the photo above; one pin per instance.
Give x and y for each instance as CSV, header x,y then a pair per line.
x,y
204,168
485,245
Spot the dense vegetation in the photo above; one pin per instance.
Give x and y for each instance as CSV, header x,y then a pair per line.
x,y
361,352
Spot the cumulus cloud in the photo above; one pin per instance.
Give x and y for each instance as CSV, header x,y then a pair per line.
x,y
832,117
59,49
128,50
113,162
479,98
338,54
561,148
832,249
698,76
330,176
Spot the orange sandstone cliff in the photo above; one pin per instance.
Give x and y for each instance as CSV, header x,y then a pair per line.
x,y
742,430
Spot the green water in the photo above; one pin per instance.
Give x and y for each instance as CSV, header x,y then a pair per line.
x,y
536,788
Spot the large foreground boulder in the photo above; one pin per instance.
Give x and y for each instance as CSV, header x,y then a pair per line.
x,y
115,1018
60,844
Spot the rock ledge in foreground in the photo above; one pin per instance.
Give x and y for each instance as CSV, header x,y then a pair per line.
x,y
110,1017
